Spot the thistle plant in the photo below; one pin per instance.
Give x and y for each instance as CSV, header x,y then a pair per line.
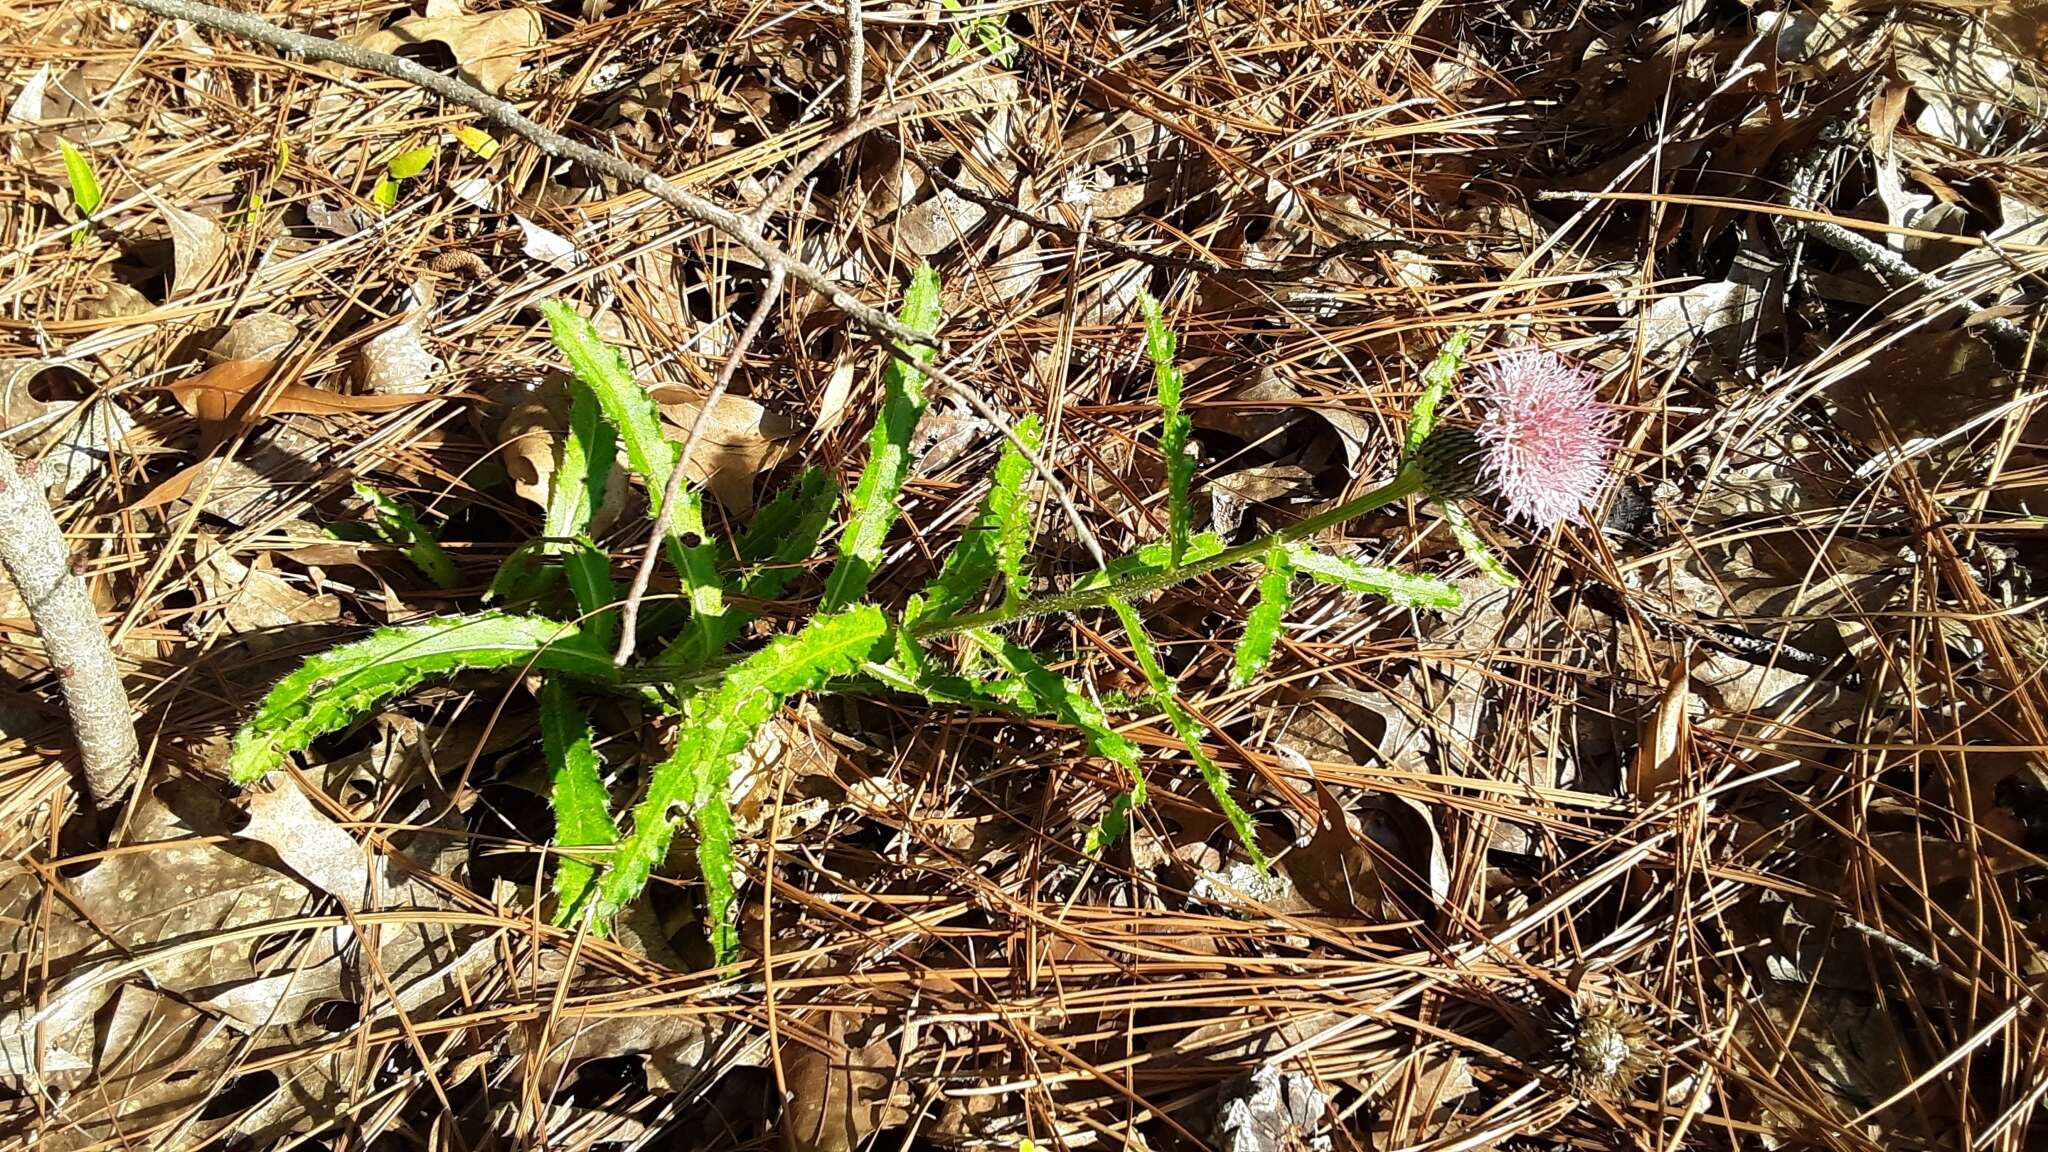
x,y
719,692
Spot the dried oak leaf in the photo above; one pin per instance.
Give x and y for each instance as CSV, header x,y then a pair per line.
x,y
742,441
487,46
839,1094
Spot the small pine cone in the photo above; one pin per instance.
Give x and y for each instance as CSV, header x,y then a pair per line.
x,y
1602,1044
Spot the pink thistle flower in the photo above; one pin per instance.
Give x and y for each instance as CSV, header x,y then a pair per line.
x,y
1548,440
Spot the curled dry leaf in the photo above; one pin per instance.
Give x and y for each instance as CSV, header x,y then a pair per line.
x,y
395,360
529,439
487,46
196,244
231,395
742,441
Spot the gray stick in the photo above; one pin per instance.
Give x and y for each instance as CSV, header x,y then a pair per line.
x,y
33,551
896,337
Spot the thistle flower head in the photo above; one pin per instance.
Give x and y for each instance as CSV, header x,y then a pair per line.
x,y
1547,438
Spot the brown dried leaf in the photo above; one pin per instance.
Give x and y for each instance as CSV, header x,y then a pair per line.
x,y
395,360
310,844
742,441
196,244
839,1095
676,1049
220,398
487,46
1660,759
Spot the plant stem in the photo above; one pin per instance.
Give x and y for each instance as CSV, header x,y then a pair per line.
x,y
1406,483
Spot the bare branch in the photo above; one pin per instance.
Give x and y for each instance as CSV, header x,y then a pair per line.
x,y
878,324
673,490
33,551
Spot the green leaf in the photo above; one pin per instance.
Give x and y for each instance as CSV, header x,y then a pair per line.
x,y
625,404
519,578
1482,557
1262,628
583,816
1436,384
1404,588
335,688
583,465
1190,733
1149,558
875,505
717,724
397,526
1174,426
995,542
988,32
651,456
1056,694
85,185
410,163
384,194
783,535
590,579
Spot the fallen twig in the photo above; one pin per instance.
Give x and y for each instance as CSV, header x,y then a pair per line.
x,y
33,551
878,324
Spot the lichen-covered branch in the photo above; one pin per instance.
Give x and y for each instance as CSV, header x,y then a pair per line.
x,y
33,551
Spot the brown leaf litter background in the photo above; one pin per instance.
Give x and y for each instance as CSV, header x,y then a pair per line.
x,y
1760,756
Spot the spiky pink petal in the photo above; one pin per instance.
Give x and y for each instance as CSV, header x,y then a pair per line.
x,y
1548,439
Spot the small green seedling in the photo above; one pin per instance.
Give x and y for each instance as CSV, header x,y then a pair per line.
x,y
719,690
85,188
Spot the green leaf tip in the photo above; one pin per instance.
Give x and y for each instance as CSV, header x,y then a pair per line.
x,y
877,497
1175,427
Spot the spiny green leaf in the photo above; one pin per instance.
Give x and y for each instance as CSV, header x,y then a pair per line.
x,y
85,185
522,576
785,533
335,688
1154,557
1262,627
997,539
875,505
1436,384
397,526
717,724
1190,733
1406,589
590,579
1475,548
1056,694
625,404
583,816
633,415
583,466
1174,426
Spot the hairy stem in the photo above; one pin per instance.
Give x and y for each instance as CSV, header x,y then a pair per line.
x,y
33,551
1409,481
